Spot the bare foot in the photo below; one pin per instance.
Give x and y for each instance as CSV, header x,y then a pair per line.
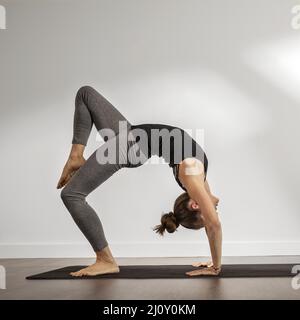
x,y
71,166
100,267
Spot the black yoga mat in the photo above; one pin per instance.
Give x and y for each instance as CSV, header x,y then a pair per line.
x,y
174,271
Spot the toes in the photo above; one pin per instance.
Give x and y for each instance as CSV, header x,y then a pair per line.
x,y
60,182
92,272
80,273
73,172
76,274
67,180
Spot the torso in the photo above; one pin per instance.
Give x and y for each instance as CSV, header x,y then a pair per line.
x,y
182,146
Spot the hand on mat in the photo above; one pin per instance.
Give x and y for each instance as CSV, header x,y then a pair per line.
x,y
71,166
210,271
203,264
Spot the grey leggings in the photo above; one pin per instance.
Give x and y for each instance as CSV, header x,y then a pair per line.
x,y
92,108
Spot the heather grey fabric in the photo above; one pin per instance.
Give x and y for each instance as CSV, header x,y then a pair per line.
x,y
92,108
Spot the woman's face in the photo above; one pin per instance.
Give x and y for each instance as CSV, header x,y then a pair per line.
x,y
214,200
193,206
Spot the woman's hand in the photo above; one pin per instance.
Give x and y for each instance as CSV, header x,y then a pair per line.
x,y
203,264
210,271
194,184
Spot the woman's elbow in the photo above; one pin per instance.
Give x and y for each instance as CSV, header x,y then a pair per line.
x,y
214,226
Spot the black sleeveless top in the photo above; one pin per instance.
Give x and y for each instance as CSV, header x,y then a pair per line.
x,y
172,145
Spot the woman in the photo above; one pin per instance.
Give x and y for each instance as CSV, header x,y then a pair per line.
x,y
194,209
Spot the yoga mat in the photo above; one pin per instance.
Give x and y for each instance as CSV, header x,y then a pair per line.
x,y
173,271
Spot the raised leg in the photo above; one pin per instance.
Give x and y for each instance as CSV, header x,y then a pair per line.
x,y
92,108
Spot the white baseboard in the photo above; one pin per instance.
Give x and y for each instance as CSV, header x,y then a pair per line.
x,y
148,249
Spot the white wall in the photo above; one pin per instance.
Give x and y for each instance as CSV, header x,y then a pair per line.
x,y
228,67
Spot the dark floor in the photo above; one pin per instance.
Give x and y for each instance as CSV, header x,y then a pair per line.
x,y
198,288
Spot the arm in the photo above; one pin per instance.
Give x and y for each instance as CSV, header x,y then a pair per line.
x,y
214,199
193,181
207,188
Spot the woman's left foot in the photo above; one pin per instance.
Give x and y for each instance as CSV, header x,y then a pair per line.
x,y
100,267
71,166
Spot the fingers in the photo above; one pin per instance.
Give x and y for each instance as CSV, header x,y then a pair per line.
x,y
202,264
196,273
202,272
198,264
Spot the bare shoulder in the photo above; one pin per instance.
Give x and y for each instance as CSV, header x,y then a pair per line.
x,y
191,167
191,172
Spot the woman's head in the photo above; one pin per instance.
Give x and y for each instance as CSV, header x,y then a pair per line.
x,y
185,212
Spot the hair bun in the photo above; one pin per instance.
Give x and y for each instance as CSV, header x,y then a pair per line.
x,y
168,222
171,215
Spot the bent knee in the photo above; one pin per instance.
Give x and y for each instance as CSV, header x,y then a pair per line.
x,y
85,89
67,194
192,166
64,194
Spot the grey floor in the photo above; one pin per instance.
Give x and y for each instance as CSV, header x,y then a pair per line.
x,y
17,287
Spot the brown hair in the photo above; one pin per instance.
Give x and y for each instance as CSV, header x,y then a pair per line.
x,y
181,215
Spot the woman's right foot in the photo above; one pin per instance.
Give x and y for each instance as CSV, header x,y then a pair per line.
x,y
71,166
99,267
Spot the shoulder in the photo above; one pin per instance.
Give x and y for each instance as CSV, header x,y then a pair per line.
x,y
192,163
191,169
